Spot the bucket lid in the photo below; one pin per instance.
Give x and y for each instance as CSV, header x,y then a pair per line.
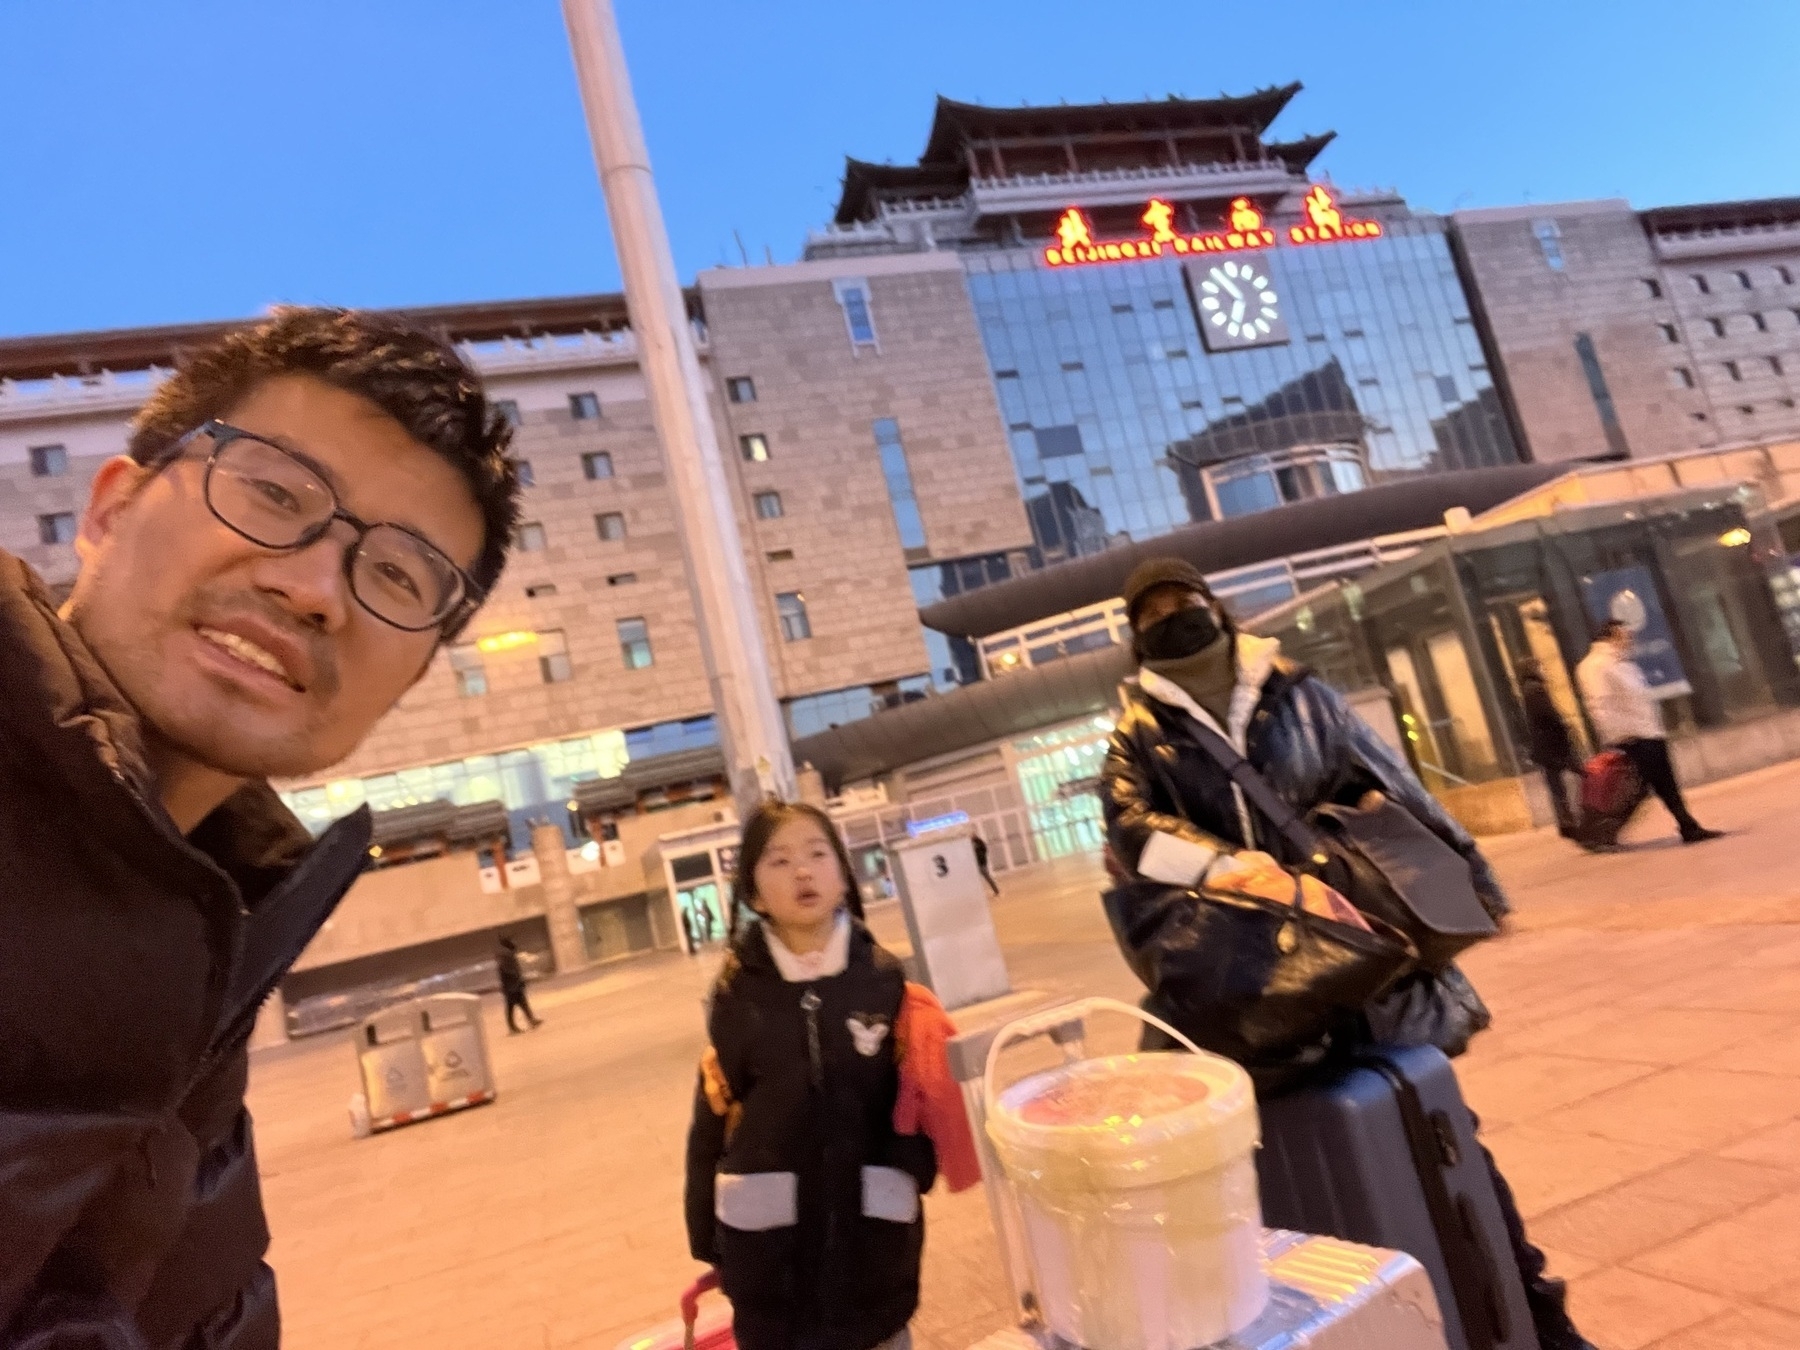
x,y
1125,1120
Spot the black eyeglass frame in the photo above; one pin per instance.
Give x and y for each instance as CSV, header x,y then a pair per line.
x,y
222,434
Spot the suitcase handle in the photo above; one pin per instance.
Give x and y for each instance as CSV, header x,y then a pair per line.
x,y
1053,1019
690,1304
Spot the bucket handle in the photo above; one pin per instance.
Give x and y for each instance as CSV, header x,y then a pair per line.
x,y
1042,1023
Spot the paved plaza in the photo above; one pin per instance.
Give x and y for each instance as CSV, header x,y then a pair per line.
x,y
1641,1088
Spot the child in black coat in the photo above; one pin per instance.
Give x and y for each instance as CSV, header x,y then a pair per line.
x,y
799,1189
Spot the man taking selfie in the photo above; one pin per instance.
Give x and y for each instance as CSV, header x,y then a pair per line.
x,y
304,513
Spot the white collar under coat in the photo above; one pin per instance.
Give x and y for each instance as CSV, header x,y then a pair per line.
x,y
1255,663
803,967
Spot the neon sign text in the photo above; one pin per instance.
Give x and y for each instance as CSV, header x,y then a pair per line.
x,y
1076,242
1244,229
1325,224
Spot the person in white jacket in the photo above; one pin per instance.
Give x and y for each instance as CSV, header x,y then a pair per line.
x,y
1626,716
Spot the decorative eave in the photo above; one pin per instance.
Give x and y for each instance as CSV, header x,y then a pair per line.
x,y
865,184
1299,155
955,124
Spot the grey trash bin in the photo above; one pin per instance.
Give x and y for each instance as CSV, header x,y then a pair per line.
x,y
455,1048
392,1064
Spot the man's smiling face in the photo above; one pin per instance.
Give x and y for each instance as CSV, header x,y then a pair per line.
x,y
245,661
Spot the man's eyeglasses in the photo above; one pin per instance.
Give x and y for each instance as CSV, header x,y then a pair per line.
x,y
277,500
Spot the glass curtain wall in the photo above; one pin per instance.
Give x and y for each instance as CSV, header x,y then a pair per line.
x,y
1115,409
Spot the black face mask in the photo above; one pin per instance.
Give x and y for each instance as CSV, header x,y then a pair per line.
x,y
1183,633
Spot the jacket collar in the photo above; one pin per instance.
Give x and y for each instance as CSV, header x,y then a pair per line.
x,y
833,959
1256,657
753,949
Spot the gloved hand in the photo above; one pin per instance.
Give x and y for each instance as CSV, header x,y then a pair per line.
x,y
1256,873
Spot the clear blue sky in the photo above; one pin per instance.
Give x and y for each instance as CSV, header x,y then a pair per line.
x,y
195,159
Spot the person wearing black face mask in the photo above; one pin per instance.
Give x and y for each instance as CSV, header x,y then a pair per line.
x,y
1174,816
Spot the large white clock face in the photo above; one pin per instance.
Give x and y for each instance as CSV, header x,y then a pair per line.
x,y
1238,305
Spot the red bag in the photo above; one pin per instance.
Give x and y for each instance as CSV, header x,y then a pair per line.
x,y
1609,784
697,1330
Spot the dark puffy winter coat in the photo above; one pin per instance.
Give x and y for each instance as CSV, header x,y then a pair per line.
x,y
798,1188
1311,749
131,968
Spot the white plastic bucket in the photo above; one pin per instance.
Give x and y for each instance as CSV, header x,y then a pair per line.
x,y
1136,1182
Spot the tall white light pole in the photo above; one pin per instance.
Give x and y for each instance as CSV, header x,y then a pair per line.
x,y
751,728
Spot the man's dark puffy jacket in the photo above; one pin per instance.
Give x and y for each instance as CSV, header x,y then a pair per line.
x,y
1311,749
131,970
800,1191
1545,731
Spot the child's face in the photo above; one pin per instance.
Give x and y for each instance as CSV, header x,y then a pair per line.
x,y
799,881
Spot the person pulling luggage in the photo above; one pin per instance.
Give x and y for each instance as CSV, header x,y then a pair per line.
x,y
1178,813
1625,715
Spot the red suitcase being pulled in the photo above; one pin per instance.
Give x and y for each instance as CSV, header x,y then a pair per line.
x,y
1609,784
697,1329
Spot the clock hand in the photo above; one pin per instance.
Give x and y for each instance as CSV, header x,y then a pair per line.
x,y
1235,292
1237,312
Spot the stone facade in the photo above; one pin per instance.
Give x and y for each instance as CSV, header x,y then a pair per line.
x,y
1697,332
1534,314
817,397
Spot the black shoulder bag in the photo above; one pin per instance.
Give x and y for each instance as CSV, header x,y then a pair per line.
x,y
1382,859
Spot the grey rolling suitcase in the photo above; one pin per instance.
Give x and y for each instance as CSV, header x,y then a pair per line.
x,y
1386,1155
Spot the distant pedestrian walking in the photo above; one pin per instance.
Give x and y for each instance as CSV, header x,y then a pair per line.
x,y
981,862
512,985
1552,747
1625,715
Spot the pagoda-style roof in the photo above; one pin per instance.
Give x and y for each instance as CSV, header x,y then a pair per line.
x,y
867,184
955,124
970,138
1299,155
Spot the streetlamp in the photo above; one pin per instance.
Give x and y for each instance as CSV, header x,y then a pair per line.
x,y
751,729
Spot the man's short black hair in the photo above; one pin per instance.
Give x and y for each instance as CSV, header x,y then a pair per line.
x,y
415,378
1612,630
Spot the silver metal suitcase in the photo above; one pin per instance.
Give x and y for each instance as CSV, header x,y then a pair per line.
x,y
1324,1294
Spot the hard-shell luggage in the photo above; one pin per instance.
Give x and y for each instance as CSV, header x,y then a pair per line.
x,y
698,1328
1609,785
1385,1155
1324,1294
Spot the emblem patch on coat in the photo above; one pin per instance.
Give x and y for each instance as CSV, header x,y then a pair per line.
x,y
868,1031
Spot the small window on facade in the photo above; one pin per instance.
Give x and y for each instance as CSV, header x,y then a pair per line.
x,y
584,407
853,295
768,506
622,579
754,447
57,528
527,476
1717,326
530,537
1549,237
610,525
1759,323
634,644
1785,402
542,591
471,675
1744,281
1697,417
1683,377
1775,365
775,555
1785,275
791,606
508,408
741,389
1746,410
895,470
553,658
1700,284
1446,388
1732,370
1122,307
49,461
1668,332
1652,288
1164,303
1073,366
597,465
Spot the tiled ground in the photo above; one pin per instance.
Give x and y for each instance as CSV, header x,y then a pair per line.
x,y
1641,1088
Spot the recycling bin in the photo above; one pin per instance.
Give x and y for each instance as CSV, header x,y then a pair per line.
x,y
392,1064
455,1049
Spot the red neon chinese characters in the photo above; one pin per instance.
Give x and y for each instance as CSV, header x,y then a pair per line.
x,y
1325,224
1077,245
